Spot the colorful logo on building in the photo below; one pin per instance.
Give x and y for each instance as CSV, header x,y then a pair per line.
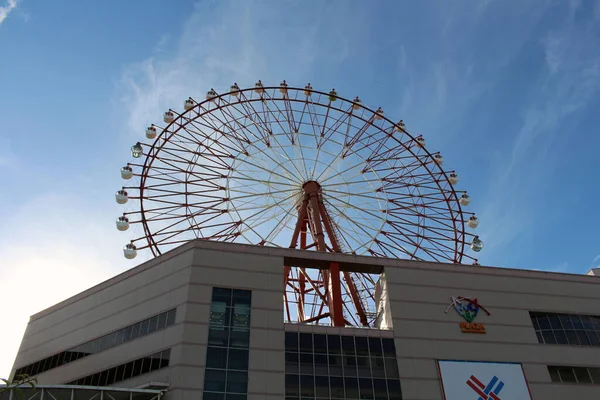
x,y
486,392
468,308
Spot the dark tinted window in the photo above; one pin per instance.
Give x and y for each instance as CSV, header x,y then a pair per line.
x,y
566,329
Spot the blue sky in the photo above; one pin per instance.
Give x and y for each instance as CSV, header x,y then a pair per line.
x,y
508,91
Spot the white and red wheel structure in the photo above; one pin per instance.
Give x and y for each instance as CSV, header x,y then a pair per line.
x,y
296,167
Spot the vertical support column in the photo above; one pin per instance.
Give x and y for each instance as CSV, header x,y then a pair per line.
x,y
334,295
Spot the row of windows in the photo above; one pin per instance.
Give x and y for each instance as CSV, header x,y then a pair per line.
x,y
578,330
126,371
131,332
323,387
337,365
226,374
336,344
574,374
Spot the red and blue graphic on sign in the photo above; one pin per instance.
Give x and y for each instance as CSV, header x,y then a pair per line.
x,y
486,392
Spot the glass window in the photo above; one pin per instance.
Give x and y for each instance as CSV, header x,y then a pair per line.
x,y
321,386
216,357
391,368
549,337
335,365
572,337
577,323
334,344
127,333
561,337
565,321
103,376
307,385
144,327
321,364
595,322
375,347
214,380
350,366
238,359
362,346
554,376
153,324
320,344
240,317
291,341
162,320
595,374
110,377
96,379
582,375
165,355
239,338
363,366
583,339
97,346
351,386
146,364
220,316
389,348
222,295
218,336
242,298
536,326
110,340
587,322
292,385
128,370
137,367
237,381
593,336
233,396
567,374
119,373
306,342
380,389
119,337
543,322
291,363
554,322
306,363
377,367
155,362
136,331
394,389
337,387
366,388
171,316
348,345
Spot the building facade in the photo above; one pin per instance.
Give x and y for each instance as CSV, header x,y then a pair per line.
x,y
205,321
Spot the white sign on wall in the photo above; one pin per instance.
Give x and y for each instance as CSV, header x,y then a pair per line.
x,y
470,380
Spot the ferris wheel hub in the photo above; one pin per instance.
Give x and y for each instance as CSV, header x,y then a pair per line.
x,y
311,187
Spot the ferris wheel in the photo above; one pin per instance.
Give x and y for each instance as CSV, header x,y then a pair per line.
x,y
298,168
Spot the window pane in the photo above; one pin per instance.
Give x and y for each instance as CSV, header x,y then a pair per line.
x,y
127,333
306,363
394,389
587,322
572,337
136,331
97,346
566,322
239,338
144,327
321,364
292,385
380,389
334,344
171,314
554,376
351,386
595,374
222,295
155,362
543,322
306,342
375,347
307,385
232,396
237,382
291,341
337,387
377,367
218,336
119,336
240,317
238,359
548,337
363,367
576,321
554,322
110,379
214,380
146,363
594,340
322,386
216,357
350,366
137,367
348,345
335,365
162,320
582,375
242,297
362,346
561,337
595,323
153,324
320,343
165,356
536,326
291,363
102,380
119,373
567,375
391,368
389,349
583,339
366,388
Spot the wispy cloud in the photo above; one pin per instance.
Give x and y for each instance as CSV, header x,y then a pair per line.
x,y
596,261
5,10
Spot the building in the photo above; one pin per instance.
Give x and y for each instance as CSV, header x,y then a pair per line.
x,y
206,319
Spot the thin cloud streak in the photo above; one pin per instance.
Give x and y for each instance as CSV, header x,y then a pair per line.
x,y
5,10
